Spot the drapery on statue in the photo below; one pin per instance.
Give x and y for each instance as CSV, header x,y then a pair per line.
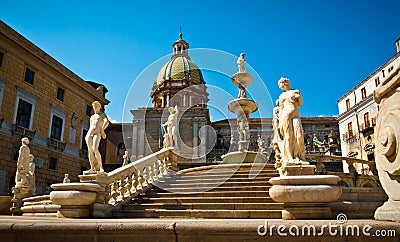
x,y
288,125
25,175
171,124
241,61
98,123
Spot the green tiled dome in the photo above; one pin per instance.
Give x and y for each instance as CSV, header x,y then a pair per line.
x,y
180,68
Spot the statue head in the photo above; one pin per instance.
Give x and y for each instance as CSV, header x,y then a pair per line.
x,y
284,84
242,55
25,141
171,110
96,106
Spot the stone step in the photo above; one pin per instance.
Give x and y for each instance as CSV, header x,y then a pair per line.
x,y
191,199
212,187
163,213
223,176
206,180
213,180
205,206
208,194
209,183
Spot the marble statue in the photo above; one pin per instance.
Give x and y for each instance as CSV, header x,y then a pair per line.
x,y
126,158
243,127
66,179
260,144
171,125
289,128
98,123
241,61
25,166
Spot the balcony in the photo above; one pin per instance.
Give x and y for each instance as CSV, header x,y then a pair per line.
x,y
350,138
367,128
58,145
24,132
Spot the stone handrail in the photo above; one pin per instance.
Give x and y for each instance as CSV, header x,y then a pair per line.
x,y
349,160
128,181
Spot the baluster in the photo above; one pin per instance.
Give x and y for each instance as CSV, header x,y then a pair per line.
x,y
121,189
150,173
155,170
113,193
128,186
160,169
143,178
135,181
165,165
107,193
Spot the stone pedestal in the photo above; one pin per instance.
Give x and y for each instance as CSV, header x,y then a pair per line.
x,y
5,205
75,199
387,152
99,206
305,196
238,157
20,192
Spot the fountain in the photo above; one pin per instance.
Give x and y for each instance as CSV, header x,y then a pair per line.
x,y
243,107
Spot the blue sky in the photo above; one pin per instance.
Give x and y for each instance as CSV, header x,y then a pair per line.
x,y
324,47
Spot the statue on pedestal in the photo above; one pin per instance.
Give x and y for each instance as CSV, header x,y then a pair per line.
x,y
171,124
98,123
126,158
288,126
25,166
241,61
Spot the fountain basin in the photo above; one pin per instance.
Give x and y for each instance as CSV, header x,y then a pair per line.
x,y
242,105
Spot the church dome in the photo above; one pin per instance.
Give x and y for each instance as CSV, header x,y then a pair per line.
x,y
180,70
172,83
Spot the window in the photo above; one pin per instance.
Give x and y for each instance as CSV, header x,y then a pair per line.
x,y
363,93
121,149
88,110
56,128
60,94
53,163
1,59
83,141
15,153
24,108
348,104
2,86
24,113
350,129
57,121
377,81
29,76
366,120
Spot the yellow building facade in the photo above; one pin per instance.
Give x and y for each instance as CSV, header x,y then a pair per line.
x,y
43,100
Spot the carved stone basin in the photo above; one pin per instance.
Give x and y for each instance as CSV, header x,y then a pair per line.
x,y
241,105
242,78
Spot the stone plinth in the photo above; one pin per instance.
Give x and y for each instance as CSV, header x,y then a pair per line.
x,y
39,206
387,152
238,157
5,205
20,192
305,196
75,199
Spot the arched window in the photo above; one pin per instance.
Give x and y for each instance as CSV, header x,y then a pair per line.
x,y
121,149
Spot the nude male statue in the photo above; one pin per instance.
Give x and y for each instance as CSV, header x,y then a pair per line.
x,y
98,123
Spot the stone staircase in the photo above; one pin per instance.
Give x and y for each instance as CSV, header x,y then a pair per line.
x,y
217,191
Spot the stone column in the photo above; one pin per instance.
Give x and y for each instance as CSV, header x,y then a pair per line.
x,y
134,139
195,139
387,152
